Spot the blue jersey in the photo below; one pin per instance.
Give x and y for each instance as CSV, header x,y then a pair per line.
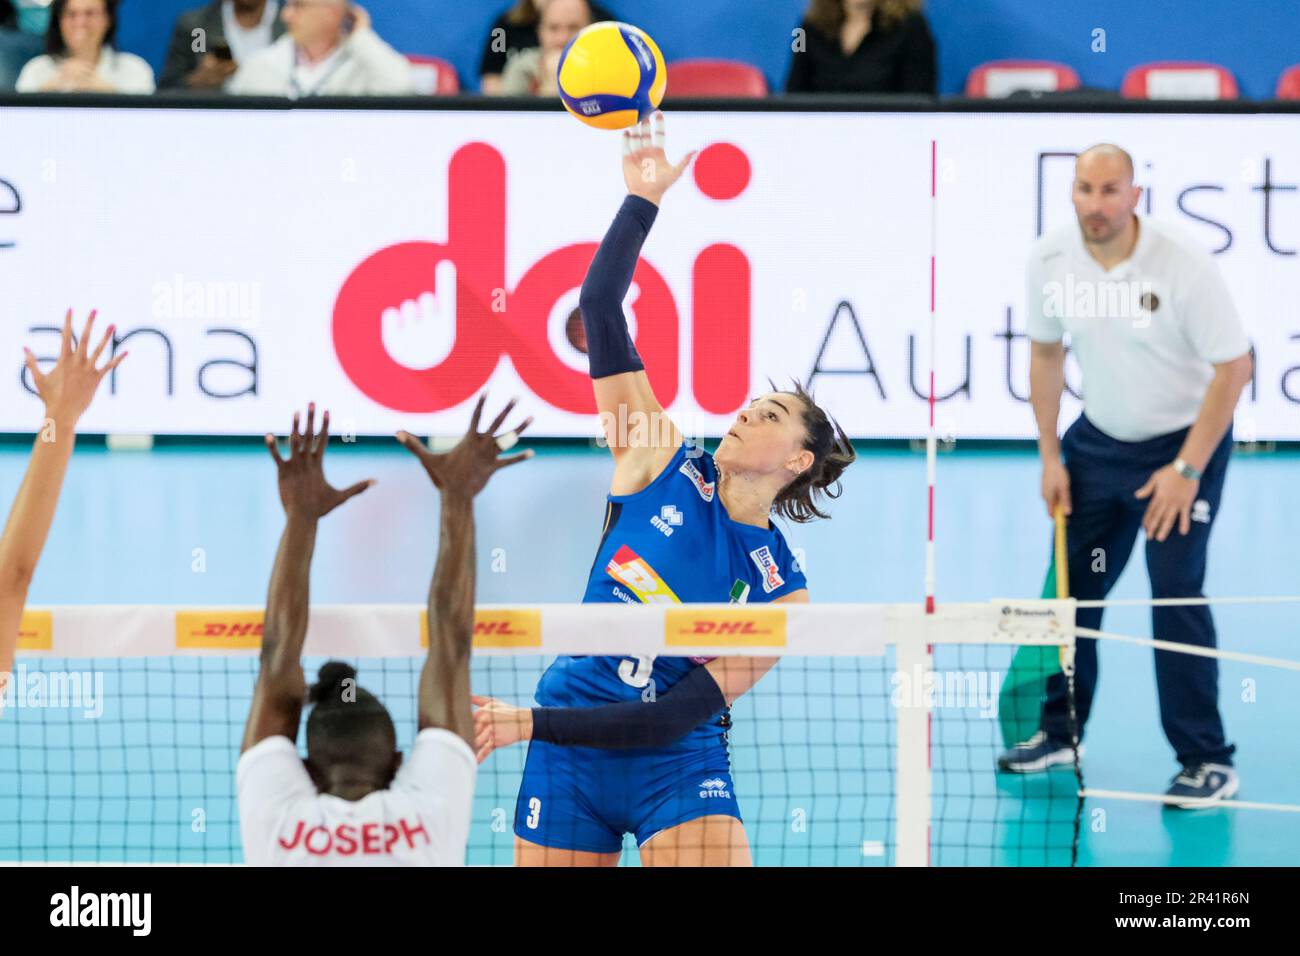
x,y
672,542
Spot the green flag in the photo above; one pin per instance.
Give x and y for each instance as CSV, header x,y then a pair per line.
x,y
1020,703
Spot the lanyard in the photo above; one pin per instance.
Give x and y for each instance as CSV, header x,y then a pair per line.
x,y
299,92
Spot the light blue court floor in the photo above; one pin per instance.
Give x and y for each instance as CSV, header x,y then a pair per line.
x,y
198,525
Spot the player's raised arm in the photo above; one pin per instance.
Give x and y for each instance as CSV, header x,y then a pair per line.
x,y
459,475
66,390
618,374
307,497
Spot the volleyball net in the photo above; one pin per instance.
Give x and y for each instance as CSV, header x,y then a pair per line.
x,y
871,742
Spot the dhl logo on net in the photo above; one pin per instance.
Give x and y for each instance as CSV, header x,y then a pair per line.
x,y
498,629
36,631
218,630
751,628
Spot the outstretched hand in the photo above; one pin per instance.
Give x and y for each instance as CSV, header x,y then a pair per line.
x,y
498,724
304,492
467,467
67,389
646,168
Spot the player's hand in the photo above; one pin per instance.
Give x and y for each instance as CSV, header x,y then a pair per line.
x,y
67,389
1171,496
467,467
1056,487
498,724
646,168
304,492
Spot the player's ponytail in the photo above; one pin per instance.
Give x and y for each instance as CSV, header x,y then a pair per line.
x,y
332,683
832,453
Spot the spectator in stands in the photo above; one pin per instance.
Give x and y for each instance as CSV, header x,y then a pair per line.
x,y
531,72
863,46
514,31
329,49
16,46
225,33
79,55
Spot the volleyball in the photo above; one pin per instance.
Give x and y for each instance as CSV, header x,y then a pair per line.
x,y
611,75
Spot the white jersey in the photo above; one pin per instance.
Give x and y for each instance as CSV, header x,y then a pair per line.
x,y
1146,333
421,820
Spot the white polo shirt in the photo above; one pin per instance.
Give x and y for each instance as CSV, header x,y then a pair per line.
x,y
421,820
1146,333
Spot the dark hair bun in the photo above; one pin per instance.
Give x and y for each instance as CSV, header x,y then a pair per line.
x,y
329,681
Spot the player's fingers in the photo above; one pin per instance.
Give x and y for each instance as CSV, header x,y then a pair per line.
x,y
295,436
1145,490
478,413
274,448
354,490
83,345
496,422
322,439
686,161
29,359
412,444
627,142
310,432
519,429
658,130
481,701
1185,519
113,364
513,459
65,348
99,349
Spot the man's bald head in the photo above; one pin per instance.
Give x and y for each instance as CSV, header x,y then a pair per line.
x,y
1104,195
1105,154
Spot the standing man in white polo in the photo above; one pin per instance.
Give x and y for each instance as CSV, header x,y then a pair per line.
x,y
1164,359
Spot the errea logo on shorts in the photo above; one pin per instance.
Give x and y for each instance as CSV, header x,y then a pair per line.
x,y
1201,511
767,564
667,519
714,787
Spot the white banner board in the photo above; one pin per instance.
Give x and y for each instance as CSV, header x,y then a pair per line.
x,y
390,264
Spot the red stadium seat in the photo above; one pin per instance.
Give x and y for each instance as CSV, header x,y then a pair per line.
x,y
1004,77
1178,80
1288,87
715,78
434,76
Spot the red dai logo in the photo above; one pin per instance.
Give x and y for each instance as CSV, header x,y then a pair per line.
x,y
444,307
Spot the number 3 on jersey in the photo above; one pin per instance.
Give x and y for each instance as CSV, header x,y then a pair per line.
x,y
534,813
635,671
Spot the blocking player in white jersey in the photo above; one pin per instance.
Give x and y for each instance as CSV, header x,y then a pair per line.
x,y
354,801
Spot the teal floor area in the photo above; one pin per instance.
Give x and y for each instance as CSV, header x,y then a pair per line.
x,y
198,525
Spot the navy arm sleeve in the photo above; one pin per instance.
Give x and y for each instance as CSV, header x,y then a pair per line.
x,y
634,724
609,346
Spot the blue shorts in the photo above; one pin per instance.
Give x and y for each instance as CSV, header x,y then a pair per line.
x,y
579,798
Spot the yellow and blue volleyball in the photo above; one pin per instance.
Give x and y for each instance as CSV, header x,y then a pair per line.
x,y
611,75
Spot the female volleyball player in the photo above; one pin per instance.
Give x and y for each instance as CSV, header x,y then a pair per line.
x,y
638,745
353,801
66,390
